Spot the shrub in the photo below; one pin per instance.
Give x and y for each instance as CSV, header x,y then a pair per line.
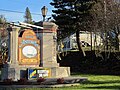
x,y
40,80
60,80
7,81
22,81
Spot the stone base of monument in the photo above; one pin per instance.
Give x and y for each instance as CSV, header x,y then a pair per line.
x,y
60,72
10,72
15,72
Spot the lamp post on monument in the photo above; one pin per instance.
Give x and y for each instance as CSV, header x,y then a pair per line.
x,y
44,12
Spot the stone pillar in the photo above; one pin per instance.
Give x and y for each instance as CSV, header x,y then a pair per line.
x,y
14,45
11,69
48,45
48,51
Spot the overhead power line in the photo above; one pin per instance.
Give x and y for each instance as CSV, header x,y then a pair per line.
x,y
19,12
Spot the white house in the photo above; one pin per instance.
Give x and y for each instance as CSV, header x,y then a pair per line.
x,y
85,38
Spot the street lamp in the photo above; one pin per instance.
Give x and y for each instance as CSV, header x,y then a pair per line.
x,y
44,12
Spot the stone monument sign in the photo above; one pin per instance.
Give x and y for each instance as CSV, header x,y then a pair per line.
x,y
32,54
28,48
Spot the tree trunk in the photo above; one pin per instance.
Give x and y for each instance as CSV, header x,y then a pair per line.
x,y
79,43
119,41
91,40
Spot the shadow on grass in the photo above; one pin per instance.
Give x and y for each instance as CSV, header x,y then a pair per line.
x,y
104,87
89,74
101,82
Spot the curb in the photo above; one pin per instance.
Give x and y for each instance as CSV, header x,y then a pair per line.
x,y
39,86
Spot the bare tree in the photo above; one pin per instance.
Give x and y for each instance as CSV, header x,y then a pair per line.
x,y
106,19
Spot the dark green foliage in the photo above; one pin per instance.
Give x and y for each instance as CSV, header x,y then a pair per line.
x,y
71,15
28,17
91,64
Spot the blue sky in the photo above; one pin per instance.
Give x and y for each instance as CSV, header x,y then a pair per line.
x,y
20,5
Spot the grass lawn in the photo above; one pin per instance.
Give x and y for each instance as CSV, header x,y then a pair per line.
x,y
101,82
95,82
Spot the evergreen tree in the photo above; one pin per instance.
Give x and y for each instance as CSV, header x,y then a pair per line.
x,y
28,17
72,16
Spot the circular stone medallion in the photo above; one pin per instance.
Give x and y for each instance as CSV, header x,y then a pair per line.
x,y
29,51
